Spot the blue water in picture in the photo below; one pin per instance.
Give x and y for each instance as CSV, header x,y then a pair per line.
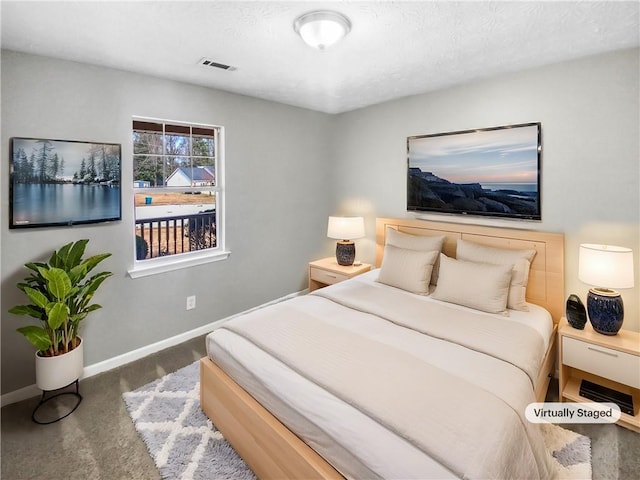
x,y
64,203
519,187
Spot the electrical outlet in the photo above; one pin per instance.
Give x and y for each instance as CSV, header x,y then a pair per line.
x,y
191,302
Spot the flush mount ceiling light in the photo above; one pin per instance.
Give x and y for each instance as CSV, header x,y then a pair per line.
x,y
322,28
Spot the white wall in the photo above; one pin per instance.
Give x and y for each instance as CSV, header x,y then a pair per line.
x,y
278,199
589,111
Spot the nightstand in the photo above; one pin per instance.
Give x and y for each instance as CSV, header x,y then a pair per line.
x,y
609,361
327,272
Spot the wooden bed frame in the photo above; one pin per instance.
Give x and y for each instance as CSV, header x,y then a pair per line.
x,y
272,451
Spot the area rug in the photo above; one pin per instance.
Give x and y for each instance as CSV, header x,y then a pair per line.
x,y
185,445
182,441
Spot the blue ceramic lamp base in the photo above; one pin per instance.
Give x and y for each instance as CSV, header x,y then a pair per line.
x,y
606,310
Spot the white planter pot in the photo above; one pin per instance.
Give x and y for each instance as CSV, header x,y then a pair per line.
x,y
57,372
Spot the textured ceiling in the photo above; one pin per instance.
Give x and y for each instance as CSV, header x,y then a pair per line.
x,y
394,49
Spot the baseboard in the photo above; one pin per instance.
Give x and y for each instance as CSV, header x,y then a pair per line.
x,y
20,394
115,362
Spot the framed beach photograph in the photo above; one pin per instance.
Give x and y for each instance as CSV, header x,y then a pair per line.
x,y
486,172
63,182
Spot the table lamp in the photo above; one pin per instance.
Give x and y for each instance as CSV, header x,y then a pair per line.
x,y
345,229
606,267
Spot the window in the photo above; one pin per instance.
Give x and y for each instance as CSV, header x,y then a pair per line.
x,y
178,194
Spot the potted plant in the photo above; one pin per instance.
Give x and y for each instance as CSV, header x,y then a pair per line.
x,y
60,294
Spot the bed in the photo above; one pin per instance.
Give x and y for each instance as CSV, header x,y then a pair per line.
x,y
377,376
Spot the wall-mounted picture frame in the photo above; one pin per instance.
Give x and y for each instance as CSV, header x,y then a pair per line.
x,y
63,182
493,172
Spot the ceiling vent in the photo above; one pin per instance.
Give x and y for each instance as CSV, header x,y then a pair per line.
x,y
207,62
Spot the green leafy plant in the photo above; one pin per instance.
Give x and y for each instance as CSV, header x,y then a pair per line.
x,y
60,292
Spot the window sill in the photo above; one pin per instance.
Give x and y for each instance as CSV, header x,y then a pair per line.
x,y
167,264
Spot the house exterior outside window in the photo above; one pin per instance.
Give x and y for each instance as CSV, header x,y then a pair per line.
x,y
178,194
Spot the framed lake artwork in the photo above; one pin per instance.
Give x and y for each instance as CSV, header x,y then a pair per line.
x,y
63,182
491,172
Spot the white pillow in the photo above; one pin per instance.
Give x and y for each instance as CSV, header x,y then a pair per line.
x,y
476,285
520,259
416,242
407,269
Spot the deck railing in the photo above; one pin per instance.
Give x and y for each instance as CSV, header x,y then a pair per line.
x,y
176,234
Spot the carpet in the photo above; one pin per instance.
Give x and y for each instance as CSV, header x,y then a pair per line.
x,y
185,445
182,441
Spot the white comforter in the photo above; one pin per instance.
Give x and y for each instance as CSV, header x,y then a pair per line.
x,y
454,411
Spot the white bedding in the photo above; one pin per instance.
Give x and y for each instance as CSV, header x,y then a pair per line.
x,y
355,444
537,317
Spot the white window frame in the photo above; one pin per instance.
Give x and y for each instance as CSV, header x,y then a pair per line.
x,y
157,265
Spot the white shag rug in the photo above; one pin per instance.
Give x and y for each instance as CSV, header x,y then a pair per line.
x,y
571,451
185,445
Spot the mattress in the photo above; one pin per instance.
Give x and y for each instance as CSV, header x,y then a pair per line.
x,y
351,440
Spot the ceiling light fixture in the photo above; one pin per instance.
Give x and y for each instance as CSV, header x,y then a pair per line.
x,y
322,28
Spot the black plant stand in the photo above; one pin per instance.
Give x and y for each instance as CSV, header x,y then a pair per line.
x,y
55,394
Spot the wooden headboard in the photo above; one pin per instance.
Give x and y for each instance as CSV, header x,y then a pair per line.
x,y
546,276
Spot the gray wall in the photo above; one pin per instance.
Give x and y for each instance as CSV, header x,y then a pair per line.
x,y
288,168
277,203
589,111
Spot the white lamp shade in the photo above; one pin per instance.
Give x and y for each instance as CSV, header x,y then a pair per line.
x,y
345,228
321,29
606,266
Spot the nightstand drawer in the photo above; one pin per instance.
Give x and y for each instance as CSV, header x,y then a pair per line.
x,y
602,361
323,276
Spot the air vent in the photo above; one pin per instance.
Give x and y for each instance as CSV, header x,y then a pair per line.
x,y
207,62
